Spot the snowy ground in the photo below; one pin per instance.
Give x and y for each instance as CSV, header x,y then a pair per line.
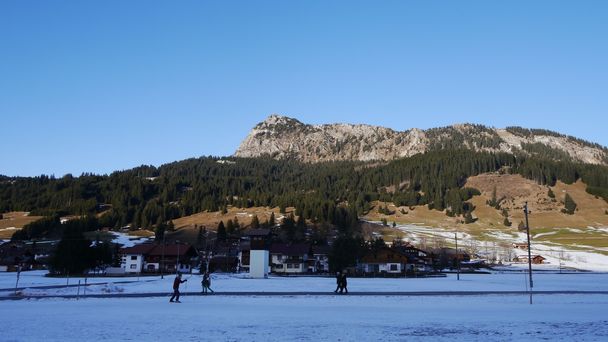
x,y
241,283
337,318
312,318
581,258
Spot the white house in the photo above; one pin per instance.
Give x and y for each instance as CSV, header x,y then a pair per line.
x,y
291,259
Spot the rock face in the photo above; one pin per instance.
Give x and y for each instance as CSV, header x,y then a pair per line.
x,y
282,137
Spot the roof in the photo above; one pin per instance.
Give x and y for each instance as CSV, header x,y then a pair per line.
x,y
257,232
287,249
384,255
321,249
157,249
144,248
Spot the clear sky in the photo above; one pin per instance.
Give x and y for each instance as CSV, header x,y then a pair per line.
x,y
98,86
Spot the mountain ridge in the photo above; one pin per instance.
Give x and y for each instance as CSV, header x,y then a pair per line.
x,y
282,137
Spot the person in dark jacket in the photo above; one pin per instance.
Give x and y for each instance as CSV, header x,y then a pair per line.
x,y
343,283
178,280
338,281
206,283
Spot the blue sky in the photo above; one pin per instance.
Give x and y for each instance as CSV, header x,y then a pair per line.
x,y
98,86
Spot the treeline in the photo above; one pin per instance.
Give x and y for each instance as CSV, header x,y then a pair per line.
x,y
147,196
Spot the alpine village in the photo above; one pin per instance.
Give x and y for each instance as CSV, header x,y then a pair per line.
x,y
316,200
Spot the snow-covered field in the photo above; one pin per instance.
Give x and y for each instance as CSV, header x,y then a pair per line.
x,y
581,258
313,317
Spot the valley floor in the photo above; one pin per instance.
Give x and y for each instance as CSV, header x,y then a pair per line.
x,y
312,318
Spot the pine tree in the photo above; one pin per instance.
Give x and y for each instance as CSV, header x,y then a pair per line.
x,y
221,231
255,222
73,254
521,226
159,231
200,237
230,227
506,222
569,205
271,220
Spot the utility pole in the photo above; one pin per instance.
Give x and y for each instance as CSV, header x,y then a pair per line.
x,y
177,259
529,252
457,257
162,260
18,275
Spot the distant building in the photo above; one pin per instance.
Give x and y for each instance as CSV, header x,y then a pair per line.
x,y
536,259
259,253
289,258
383,260
150,258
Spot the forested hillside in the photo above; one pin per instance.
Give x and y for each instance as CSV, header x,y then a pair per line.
x,y
334,192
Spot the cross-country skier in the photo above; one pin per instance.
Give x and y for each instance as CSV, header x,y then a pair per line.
x,y
178,280
338,281
343,283
206,283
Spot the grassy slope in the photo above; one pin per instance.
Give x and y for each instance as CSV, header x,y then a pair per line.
x,y
15,219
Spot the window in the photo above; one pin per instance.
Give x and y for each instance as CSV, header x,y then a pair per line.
x,y
133,266
394,267
133,257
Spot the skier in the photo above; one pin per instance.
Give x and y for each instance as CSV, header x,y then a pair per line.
x,y
178,280
343,283
338,281
206,283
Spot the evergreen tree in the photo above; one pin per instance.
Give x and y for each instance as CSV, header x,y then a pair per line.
x,y
201,237
550,193
255,222
345,252
271,220
521,226
221,231
506,222
288,228
230,227
73,254
569,205
159,231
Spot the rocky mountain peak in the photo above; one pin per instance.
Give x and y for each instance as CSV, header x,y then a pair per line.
x,y
283,137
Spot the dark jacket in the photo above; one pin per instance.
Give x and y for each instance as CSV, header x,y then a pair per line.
x,y
176,283
343,280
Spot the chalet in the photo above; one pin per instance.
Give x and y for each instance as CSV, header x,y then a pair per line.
x,y
15,255
150,258
536,259
383,260
418,259
289,258
244,256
